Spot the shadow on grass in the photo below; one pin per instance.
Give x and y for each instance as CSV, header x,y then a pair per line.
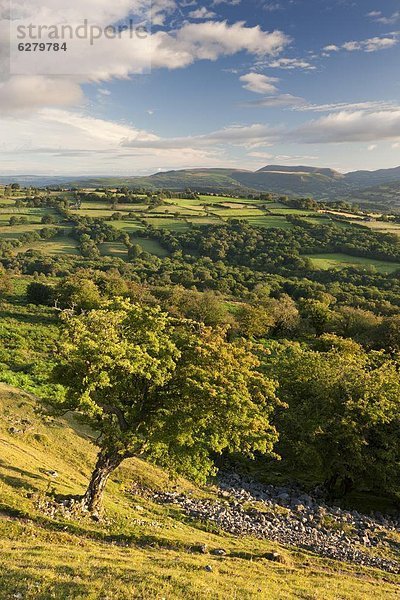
x,y
20,471
28,317
16,583
18,484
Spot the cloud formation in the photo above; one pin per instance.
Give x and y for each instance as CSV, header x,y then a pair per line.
x,y
379,17
201,13
259,84
291,63
373,44
350,126
175,49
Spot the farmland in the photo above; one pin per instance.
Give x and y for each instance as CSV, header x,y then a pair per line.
x,y
173,214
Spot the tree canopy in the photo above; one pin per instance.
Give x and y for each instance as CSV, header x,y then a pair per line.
x,y
170,390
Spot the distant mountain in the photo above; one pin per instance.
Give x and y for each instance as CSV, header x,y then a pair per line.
x,y
320,183
362,179
380,198
302,170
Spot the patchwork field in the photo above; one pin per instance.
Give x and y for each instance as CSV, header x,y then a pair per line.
x,y
172,214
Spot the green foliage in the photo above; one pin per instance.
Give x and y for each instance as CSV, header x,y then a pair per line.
x,y
79,292
342,422
164,389
40,293
6,286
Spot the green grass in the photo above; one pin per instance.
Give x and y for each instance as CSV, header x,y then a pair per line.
x,y
181,210
285,210
340,261
95,213
114,249
54,247
237,213
150,246
270,221
142,550
204,220
16,231
382,226
167,223
129,226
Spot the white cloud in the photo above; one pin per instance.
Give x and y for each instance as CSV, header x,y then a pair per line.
x,y
272,6
245,136
283,158
263,155
27,93
201,13
373,44
160,9
331,48
56,140
291,63
347,106
259,84
214,39
346,126
277,101
129,56
230,2
378,17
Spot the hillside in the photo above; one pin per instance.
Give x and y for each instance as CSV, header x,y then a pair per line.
x,y
384,197
320,183
143,549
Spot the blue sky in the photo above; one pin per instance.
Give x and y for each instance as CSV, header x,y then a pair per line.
x,y
238,84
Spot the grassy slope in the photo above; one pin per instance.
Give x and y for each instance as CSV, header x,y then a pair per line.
x,y
142,550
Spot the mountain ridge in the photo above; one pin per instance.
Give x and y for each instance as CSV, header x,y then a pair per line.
x,y
322,183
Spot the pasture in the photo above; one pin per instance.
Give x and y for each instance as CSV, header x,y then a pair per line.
x,y
175,214
341,261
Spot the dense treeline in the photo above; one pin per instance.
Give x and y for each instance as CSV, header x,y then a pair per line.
x,y
280,250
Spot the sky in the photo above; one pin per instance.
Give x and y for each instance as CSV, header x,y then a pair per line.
x,y
219,83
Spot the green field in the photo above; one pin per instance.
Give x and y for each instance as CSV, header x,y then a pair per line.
x,y
170,223
384,227
270,221
340,261
16,231
129,226
150,246
54,247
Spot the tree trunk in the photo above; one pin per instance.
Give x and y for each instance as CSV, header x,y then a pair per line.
x,y
107,462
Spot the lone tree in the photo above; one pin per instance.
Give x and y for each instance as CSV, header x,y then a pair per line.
x,y
173,392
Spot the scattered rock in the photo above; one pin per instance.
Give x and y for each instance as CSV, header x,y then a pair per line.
x,y
14,430
208,568
52,473
306,522
202,548
274,556
219,552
